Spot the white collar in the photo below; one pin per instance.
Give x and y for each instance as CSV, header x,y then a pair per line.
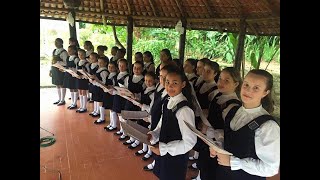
x,y
72,57
148,89
121,74
82,61
159,87
111,75
252,110
164,93
100,69
173,101
189,76
136,78
225,97
93,65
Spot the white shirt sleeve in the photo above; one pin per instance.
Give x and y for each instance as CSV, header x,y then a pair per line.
x,y
267,144
104,75
189,139
64,56
126,82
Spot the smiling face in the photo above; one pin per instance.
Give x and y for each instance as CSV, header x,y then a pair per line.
x,y
174,84
226,84
253,90
137,69
149,81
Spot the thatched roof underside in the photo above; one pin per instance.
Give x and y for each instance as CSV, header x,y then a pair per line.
x,y
262,17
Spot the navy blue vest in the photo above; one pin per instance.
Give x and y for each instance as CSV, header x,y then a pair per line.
x,y
58,55
145,98
98,74
203,99
121,80
94,70
110,81
70,64
135,87
215,111
155,110
170,130
241,143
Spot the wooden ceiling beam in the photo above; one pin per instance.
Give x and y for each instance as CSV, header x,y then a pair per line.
x,y
180,9
272,4
164,18
210,11
155,11
129,7
254,30
102,10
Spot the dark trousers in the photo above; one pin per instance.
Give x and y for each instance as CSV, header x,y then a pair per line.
x,y
225,173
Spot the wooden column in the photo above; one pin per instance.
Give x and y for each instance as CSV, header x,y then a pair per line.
x,y
129,42
182,41
240,46
72,30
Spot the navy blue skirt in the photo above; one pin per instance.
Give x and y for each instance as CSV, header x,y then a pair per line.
x,y
69,81
225,173
82,84
97,94
57,76
107,100
172,167
206,164
118,103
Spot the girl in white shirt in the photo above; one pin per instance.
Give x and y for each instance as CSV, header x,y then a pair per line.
x,y
175,138
250,133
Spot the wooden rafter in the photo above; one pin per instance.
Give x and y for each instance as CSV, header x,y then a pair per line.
x,y
180,9
129,7
254,30
124,17
102,10
272,5
210,11
154,11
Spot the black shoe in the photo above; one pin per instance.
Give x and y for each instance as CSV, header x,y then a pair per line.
x,y
122,138
111,129
61,103
127,143
56,102
118,133
99,122
146,158
72,107
82,110
95,115
139,154
131,147
146,168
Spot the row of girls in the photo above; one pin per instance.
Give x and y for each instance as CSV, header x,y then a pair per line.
x,y
243,128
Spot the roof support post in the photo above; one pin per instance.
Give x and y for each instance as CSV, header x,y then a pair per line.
x,y
240,46
72,30
182,41
129,42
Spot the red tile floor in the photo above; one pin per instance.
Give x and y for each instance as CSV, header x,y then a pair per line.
x,y
83,150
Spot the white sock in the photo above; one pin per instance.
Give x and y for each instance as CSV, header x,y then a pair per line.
x,y
59,93
63,94
72,98
76,94
196,154
137,142
132,139
198,177
144,147
94,107
111,118
81,101
90,96
149,151
115,118
150,166
102,112
84,106
194,165
97,108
